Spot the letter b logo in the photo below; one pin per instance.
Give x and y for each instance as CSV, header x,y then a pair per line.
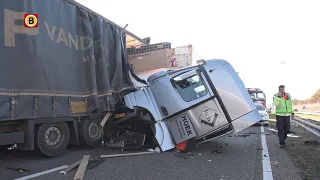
x,y
31,20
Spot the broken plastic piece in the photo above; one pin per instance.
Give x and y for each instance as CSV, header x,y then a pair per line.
x,y
216,152
291,135
157,150
274,130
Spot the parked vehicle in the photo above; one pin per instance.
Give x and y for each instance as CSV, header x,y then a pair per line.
x,y
69,81
264,114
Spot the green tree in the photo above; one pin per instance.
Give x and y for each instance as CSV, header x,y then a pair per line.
x,y
316,96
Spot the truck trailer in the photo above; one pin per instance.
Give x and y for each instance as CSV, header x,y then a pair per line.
x,y
68,81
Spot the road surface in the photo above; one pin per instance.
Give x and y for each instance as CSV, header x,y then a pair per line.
x,y
251,155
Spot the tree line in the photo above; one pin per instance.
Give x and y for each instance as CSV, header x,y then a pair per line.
x,y
315,98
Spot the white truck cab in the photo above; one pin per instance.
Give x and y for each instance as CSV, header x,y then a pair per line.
x,y
200,102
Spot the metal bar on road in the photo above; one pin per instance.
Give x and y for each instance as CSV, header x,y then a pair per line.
x,y
127,154
42,173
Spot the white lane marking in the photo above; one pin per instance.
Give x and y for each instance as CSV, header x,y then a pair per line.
x,y
267,171
42,173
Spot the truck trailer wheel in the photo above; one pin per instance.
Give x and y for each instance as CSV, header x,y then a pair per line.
x,y
52,138
90,132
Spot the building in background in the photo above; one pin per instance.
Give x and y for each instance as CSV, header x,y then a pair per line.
x,y
182,57
160,55
150,59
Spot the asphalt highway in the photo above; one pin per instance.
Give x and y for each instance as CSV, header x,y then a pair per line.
x,y
253,154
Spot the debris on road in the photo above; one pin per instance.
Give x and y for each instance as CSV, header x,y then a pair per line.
x,y
270,134
242,135
293,136
95,162
184,155
272,129
274,162
249,132
20,170
82,168
312,142
304,154
127,154
157,150
71,167
216,152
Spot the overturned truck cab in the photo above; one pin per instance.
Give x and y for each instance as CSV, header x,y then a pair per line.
x,y
201,102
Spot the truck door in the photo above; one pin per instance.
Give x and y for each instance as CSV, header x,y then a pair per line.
x,y
233,95
202,114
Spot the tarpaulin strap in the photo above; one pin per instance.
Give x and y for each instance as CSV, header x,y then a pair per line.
x,y
12,107
70,110
54,106
35,106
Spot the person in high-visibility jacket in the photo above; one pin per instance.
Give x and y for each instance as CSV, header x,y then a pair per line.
x,y
284,110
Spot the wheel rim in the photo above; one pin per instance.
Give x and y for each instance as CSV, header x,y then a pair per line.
x,y
53,136
94,130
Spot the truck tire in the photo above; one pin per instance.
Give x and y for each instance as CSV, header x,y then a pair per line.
x,y
90,133
52,138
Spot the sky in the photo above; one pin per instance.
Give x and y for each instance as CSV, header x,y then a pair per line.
x,y
268,42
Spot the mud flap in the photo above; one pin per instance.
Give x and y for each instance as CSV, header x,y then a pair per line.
x,y
163,136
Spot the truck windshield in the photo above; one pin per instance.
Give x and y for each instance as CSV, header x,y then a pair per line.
x,y
257,95
191,88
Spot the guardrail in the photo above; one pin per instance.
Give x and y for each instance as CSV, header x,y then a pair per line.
x,y
302,112
311,113
314,128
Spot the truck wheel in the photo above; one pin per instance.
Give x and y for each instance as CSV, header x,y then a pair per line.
x,y
52,138
90,133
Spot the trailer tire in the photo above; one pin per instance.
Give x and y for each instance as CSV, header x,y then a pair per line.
x,y
90,133
52,138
